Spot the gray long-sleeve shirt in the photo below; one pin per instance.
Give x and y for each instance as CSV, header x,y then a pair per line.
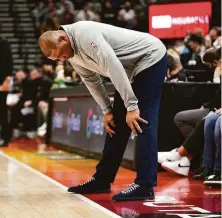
x,y
120,54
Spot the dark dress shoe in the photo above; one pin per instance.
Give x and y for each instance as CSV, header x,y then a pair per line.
x,y
204,174
90,187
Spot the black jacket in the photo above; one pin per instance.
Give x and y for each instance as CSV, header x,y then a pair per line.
x,y
5,60
44,86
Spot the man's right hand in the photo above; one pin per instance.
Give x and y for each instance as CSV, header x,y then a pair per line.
x,y
108,121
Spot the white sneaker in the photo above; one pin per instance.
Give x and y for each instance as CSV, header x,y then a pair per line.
x,y
16,133
42,130
168,156
31,134
181,166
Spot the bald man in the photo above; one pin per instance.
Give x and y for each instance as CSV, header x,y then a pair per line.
x,y
136,63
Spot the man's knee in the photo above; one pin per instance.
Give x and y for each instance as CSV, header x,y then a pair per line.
x,y
179,117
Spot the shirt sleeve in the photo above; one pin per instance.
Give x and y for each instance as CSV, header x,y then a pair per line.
x,y
95,86
97,48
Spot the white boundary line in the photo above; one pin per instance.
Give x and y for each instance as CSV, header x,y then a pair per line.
x,y
108,212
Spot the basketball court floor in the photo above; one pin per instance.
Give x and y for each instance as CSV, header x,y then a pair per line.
x,y
34,179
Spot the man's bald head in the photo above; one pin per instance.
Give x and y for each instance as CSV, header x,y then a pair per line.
x,y
47,42
56,45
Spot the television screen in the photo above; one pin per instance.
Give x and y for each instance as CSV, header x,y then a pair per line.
x,y
175,20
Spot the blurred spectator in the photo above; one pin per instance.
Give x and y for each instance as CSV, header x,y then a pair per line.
x,y
213,39
39,12
23,113
44,84
140,20
109,14
63,5
174,69
127,15
213,58
48,71
5,71
86,14
51,23
65,12
15,103
194,57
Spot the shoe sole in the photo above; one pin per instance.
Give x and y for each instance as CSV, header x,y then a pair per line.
x,y
135,199
215,183
94,192
172,171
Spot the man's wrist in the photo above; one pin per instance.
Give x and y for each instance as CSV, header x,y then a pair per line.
x,y
132,107
107,110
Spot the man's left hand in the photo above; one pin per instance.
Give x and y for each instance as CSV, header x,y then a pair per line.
x,y
132,119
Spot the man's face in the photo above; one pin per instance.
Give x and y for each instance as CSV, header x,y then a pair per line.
x,y
192,45
62,52
213,35
35,74
20,75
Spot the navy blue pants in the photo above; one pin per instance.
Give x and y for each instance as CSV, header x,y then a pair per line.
x,y
147,87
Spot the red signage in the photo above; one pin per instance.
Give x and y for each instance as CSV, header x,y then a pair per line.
x,y
174,20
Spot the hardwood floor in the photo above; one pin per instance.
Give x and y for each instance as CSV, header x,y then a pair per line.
x,y
34,179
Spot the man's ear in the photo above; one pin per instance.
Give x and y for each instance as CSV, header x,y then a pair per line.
x,y
61,38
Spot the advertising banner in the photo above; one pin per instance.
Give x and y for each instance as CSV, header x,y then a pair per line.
x,y
175,20
78,122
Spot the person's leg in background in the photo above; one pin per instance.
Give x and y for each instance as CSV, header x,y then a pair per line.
x,y
187,120
209,147
179,160
113,151
5,132
215,178
42,115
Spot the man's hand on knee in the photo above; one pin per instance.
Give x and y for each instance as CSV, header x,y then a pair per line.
x,y
132,119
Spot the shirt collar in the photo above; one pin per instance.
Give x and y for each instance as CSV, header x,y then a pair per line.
x,y
71,37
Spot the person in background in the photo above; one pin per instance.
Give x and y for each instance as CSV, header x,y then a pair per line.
x,y
29,102
67,15
109,13
191,125
174,70
213,59
85,14
211,172
50,23
193,59
21,80
44,85
127,15
213,39
6,65
48,70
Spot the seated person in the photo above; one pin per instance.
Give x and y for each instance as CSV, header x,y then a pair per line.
x,y
187,120
24,112
179,160
44,86
212,58
211,171
193,59
174,69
